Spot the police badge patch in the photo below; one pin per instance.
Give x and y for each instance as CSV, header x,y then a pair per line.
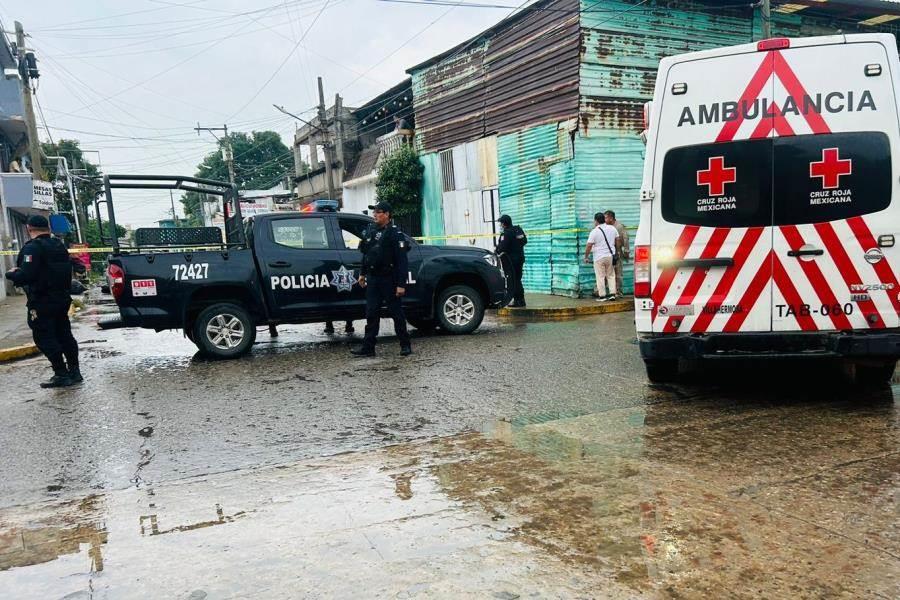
x,y
343,279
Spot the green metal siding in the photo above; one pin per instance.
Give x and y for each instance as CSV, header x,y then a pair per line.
x,y
432,198
536,186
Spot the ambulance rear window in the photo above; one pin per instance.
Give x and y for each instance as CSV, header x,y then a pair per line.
x,y
831,176
719,185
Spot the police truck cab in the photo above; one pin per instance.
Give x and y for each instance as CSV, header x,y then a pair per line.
x,y
770,206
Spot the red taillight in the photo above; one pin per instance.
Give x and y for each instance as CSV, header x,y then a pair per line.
x,y
116,275
773,44
642,272
308,208
647,107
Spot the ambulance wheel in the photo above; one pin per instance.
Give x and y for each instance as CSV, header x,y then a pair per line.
x,y
224,331
661,370
874,373
459,309
422,324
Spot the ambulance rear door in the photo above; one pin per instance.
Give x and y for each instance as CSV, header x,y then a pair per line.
x,y
835,256
711,221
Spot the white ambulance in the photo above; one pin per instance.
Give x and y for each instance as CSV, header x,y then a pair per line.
x,y
769,222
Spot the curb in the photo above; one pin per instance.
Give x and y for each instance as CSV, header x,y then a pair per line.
x,y
17,352
564,313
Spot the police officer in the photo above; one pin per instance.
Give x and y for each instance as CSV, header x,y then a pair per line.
x,y
44,270
384,273
512,245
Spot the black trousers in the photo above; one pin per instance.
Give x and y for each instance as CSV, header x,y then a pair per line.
x,y
52,333
380,291
517,264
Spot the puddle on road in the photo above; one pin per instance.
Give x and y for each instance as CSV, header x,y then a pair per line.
x,y
688,496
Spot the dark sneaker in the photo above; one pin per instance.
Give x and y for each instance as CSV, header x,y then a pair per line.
x,y
75,375
405,350
363,351
57,381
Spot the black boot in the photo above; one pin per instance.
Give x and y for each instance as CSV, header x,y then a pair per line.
x,y
363,351
349,328
75,374
60,379
329,327
405,350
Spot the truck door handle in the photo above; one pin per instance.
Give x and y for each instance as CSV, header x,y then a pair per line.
x,y
279,264
811,252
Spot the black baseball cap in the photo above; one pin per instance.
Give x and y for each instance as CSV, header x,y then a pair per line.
x,y
382,206
38,222
506,220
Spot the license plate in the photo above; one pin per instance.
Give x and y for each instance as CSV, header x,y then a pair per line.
x,y
143,287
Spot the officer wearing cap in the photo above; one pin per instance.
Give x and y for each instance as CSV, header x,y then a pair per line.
x,y
512,245
384,272
44,270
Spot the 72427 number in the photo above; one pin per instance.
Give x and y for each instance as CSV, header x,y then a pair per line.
x,y
192,271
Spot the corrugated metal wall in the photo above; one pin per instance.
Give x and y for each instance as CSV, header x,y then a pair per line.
x,y
518,74
432,200
536,176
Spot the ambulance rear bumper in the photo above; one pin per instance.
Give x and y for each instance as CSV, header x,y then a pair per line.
x,y
882,344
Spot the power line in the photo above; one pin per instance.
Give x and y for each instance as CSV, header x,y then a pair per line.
x,y
283,62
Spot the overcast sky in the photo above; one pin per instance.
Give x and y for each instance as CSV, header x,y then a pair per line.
x,y
132,79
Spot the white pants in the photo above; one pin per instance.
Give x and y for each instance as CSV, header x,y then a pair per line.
x,y
604,271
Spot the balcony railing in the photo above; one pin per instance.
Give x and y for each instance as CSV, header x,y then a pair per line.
x,y
393,141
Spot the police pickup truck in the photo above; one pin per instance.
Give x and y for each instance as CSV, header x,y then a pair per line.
x,y
281,267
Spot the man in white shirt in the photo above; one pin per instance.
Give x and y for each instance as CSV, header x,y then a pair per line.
x,y
602,247
623,248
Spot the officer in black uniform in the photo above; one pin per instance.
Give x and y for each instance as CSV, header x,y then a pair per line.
x,y
44,270
512,245
384,273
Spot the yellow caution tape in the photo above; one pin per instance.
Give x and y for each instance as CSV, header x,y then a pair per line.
x,y
422,238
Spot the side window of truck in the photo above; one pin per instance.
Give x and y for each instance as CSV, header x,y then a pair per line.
x,y
352,232
303,233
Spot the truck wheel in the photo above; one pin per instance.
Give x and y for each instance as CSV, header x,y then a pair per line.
x,y
875,373
422,324
459,309
661,370
224,331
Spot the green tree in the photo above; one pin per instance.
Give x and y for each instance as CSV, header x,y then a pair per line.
x,y
261,160
399,181
88,184
92,233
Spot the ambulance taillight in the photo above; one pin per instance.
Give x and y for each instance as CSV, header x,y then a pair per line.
x,y
642,272
773,44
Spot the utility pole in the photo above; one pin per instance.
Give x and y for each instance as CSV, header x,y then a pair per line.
x,y
326,143
34,143
227,150
766,19
174,214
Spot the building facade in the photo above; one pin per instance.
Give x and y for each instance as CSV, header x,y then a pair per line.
x,y
540,116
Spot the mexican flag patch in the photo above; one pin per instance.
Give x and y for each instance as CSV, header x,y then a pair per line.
x,y
28,258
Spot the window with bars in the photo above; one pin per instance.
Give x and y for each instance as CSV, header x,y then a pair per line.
x,y
447,170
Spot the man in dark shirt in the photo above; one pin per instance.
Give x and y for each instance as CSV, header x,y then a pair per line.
x,y
384,273
44,270
512,246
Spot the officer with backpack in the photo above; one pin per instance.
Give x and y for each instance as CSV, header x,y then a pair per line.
x,y
44,270
385,270
512,245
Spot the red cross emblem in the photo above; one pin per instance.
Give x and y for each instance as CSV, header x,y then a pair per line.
x,y
716,176
830,168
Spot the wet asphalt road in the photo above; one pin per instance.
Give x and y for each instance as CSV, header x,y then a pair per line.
x,y
524,449
151,411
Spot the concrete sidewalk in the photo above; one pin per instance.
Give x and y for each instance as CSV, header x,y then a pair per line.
x,y
548,307
15,337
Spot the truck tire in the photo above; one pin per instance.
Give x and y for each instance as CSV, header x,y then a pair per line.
x,y
224,331
874,373
661,370
423,324
459,309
